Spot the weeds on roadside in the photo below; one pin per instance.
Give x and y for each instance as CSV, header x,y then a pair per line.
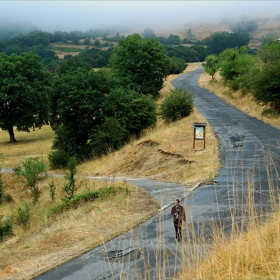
x,y
78,199
23,216
6,228
29,172
52,190
70,187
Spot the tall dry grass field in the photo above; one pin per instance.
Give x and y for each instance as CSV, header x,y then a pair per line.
x,y
242,255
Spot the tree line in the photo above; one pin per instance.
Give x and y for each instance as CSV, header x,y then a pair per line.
x,y
91,111
256,74
95,111
39,42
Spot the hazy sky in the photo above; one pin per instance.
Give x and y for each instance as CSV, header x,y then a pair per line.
x,y
84,15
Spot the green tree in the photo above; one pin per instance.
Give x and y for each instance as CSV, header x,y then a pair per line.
x,y
132,110
188,54
246,68
228,66
266,82
237,68
139,64
24,97
219,41
87,42
211,65
76,99
173,39
109,136
176,65
72,64
148,33
245,26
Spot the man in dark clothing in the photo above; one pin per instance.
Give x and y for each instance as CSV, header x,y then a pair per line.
x,y
179,215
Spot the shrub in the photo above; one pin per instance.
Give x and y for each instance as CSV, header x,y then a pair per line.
x,y
70,187
58,159
23,216
52,190
8,198
4,197
6,229
33,168
177,105
76,200
132,110
176,65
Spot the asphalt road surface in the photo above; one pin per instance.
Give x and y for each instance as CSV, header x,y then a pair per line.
x,y
250,156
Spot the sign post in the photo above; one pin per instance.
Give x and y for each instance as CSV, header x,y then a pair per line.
x,y
199,133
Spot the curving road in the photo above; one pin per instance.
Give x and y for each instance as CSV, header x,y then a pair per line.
x,y
250,155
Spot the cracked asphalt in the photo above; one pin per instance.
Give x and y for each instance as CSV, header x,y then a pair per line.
x,y
250,157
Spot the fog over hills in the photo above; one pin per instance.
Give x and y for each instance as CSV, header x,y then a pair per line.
x,y
84,15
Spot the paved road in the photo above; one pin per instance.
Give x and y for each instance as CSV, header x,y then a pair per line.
x,y
249,175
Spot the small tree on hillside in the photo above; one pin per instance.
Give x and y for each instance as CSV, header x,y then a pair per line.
x,y
177,105
211,65
29,172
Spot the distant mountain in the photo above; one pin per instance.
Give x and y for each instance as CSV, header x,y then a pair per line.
x,y
10,29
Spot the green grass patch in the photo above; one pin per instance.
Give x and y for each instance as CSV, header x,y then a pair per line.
x,y
78,199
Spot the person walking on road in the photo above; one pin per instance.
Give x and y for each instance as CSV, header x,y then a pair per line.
x,y
179,215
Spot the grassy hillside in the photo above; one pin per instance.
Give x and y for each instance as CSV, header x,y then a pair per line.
x,y
165,153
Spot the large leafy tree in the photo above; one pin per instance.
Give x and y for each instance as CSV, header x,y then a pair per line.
x,y
140,65
132,110
266,83
75,110
238,68
90,116
24,97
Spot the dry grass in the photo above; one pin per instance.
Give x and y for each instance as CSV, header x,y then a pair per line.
x,y
165,153
251,255
34,144
52,241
